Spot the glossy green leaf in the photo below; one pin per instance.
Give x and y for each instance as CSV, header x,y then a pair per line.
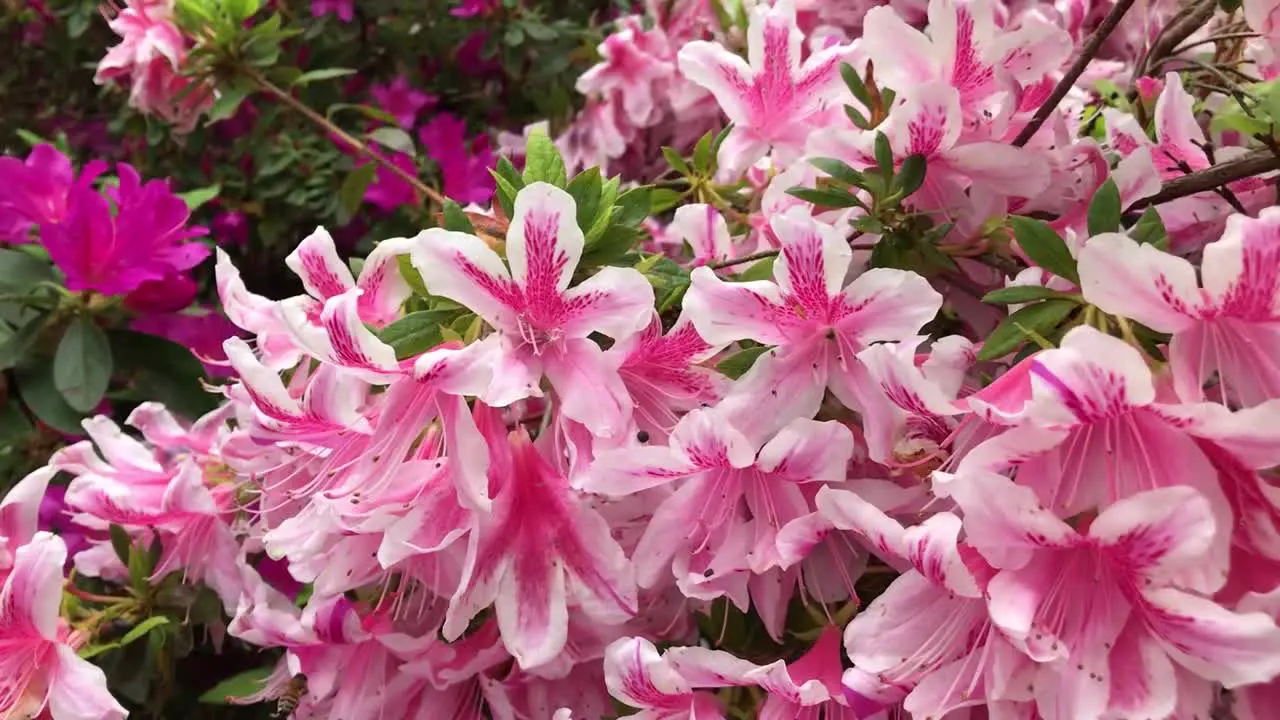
x,y
1149,229
542,161
1045,248
35,386
311,76
195,198
242,685
1018,294
416,332
737,365
395,139
1040,318
82,364
20,271
911,175
1104,209
839,170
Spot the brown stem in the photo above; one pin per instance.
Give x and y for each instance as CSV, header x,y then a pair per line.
x,y
1253,163
744,259
1077,68
1188,20
359,145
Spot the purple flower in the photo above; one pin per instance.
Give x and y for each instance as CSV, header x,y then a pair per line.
x,y
388,190
401,100
230,227
115,254
472,8
464,166
53,517
35,191
202,334
344,9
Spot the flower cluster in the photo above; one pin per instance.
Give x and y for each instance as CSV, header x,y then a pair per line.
x,y
526,467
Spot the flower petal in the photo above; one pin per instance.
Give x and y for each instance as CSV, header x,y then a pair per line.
x,y
385,289
32,590
78,690
464,269
544,242
1213,642
888,306
315,261
589,387
726,75
1242,270
531,607
20,509
616,301
1159,531
814,260
1124,278
808,451
725,312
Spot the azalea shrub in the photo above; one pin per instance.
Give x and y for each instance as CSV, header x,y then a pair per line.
x,y
748,360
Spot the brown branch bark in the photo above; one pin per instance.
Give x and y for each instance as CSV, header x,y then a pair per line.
x,y
1091,47
1253,163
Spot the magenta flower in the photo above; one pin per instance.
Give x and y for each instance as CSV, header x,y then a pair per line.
x,y
472,8
41,671
543,325
401,100
464,166
771,98
635,64
145,239
343,9
230,227
388,190
36,190
203,332
168,294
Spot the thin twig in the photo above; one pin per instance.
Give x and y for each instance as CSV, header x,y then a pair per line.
x,y
1077,68
744,259
1188,20
1253,163
356,144
1216,38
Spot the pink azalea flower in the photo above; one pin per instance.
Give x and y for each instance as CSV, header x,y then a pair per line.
x,y
464,165
1086,430
343,9
542,324
928,640
662,375
151,55
40,669
730,492
1102,609
538,548
966,49
20,512
1224,326
817,323
634,65
115,253
705,230
598,136
401,100
772,98
36,190
638,676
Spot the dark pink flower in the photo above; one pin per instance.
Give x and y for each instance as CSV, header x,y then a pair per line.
x,y
388,190
116,253
472,8
344,9
401,100
230,227
35,190
464,166
202,334
168,294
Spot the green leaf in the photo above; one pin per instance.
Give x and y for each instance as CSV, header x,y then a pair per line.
x,y
1044,247
911,175
542,161
228,101
121,543
200,196
632,207
736,365
585,189
1149,229
82,365
318,75
663,199
35,386
1018,294
368,111
702,154
759,270
884,154
1040,318
508,171
715,146
455,218
840,171
676,162
1104,209
416,332
13,422
393,138
857,118
354,186
240,10
855,83
506,193
411,275
20,272
161,370
30,138
237,686
143,628
824,198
